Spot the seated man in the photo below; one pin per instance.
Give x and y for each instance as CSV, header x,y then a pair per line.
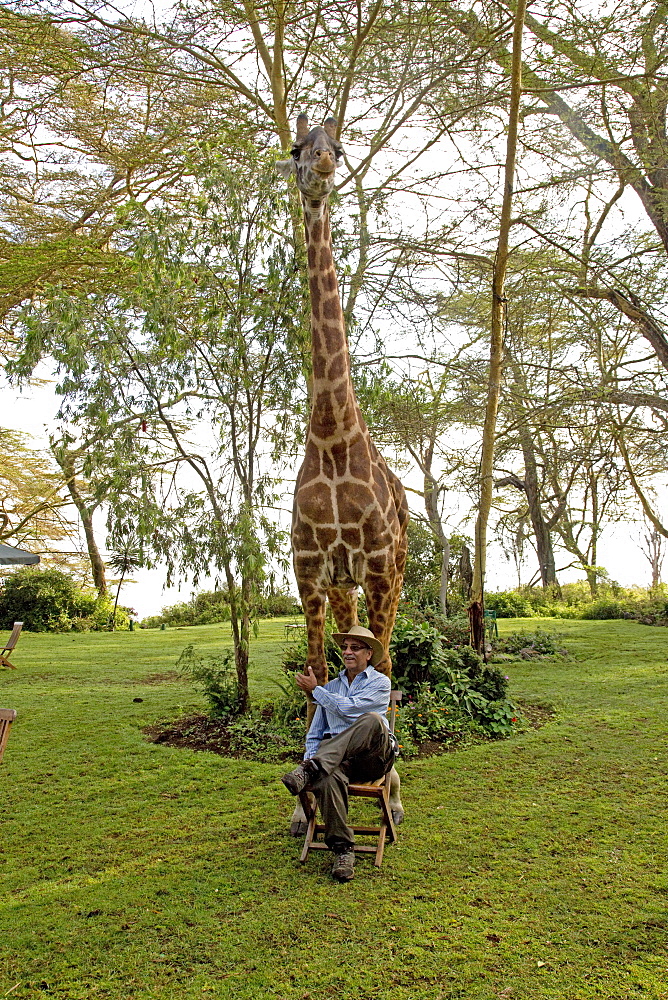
x,y
348,740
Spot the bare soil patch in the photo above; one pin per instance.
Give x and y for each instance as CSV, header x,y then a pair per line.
x,y
199,732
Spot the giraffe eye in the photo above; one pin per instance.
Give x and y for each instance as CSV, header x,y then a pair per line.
x,y
295,153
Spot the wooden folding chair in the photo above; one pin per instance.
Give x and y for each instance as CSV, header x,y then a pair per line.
x,y
11,643
378,790
7,716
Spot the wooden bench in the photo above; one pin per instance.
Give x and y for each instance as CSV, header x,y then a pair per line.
x,y
7,716
11,643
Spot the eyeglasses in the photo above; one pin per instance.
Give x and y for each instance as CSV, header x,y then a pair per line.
x,y
353,648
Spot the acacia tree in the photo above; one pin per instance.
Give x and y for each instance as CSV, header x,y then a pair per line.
x,y
86,502
654,550
194,372
33,510
496,345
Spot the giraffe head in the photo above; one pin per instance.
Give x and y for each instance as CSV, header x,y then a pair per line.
x,y
315,156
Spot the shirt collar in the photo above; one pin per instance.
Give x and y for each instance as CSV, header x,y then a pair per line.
x,y
343,675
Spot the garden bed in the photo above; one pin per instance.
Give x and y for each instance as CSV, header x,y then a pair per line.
x,y
200,732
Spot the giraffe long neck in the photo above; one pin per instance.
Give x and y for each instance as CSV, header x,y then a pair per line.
x,y
334,405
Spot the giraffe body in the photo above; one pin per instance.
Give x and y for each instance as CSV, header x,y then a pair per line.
x,y
350,511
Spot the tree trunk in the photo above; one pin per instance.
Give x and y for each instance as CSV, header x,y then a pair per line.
x,y
465,572
66,462
476,612
436,525
544,549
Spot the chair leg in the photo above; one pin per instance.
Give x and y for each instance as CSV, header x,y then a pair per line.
x,y
385,830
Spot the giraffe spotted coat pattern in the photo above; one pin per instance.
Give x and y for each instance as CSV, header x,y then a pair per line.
x,y
350,512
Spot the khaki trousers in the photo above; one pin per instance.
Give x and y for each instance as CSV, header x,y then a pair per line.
x,y
363,752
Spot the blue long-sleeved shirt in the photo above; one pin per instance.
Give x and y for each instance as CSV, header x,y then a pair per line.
x,y
340,704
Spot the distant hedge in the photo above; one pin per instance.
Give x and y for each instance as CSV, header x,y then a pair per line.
x,y
48,600
212,606
573,601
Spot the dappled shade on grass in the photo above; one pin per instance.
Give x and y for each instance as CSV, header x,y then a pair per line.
x,y
528,868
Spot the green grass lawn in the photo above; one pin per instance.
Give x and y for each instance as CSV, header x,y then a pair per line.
x,y
530,868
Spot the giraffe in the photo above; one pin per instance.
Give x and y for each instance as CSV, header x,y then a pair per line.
x,y
350,511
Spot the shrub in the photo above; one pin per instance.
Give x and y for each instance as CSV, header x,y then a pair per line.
x,y
602,610
538,643
210,607
509,604
215,677
416,649
428,717
454,677
454,630
278,604
48,600
207,608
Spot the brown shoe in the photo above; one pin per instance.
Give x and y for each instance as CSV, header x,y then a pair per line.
x,y
303,776
343,868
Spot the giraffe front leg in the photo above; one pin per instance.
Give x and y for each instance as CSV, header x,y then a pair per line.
x,y
313,602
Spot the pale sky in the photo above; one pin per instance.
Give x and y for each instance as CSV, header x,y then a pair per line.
x,y
33,410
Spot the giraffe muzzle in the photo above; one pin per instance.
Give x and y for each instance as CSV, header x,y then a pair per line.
x,y
324,163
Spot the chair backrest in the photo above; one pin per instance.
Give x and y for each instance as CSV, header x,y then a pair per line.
x,y
395,698
13,638
7,716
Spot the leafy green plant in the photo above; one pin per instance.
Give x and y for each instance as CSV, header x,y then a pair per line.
x,y
537,642
215,678
603,610
509,604
257,736
428,716
442,679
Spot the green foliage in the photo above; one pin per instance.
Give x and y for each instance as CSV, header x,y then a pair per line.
x,y
416,650
215,677
602,609
453,630
573,600
212,606
205,608
447,678
48,600
277,603
423,566
261,736
290,706
428,717
530,644
509,604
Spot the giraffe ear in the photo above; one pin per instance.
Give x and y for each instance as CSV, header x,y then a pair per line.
x,y
330,127
302,128
286,167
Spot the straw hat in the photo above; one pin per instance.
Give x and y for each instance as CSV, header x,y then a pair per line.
x,y
366,636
